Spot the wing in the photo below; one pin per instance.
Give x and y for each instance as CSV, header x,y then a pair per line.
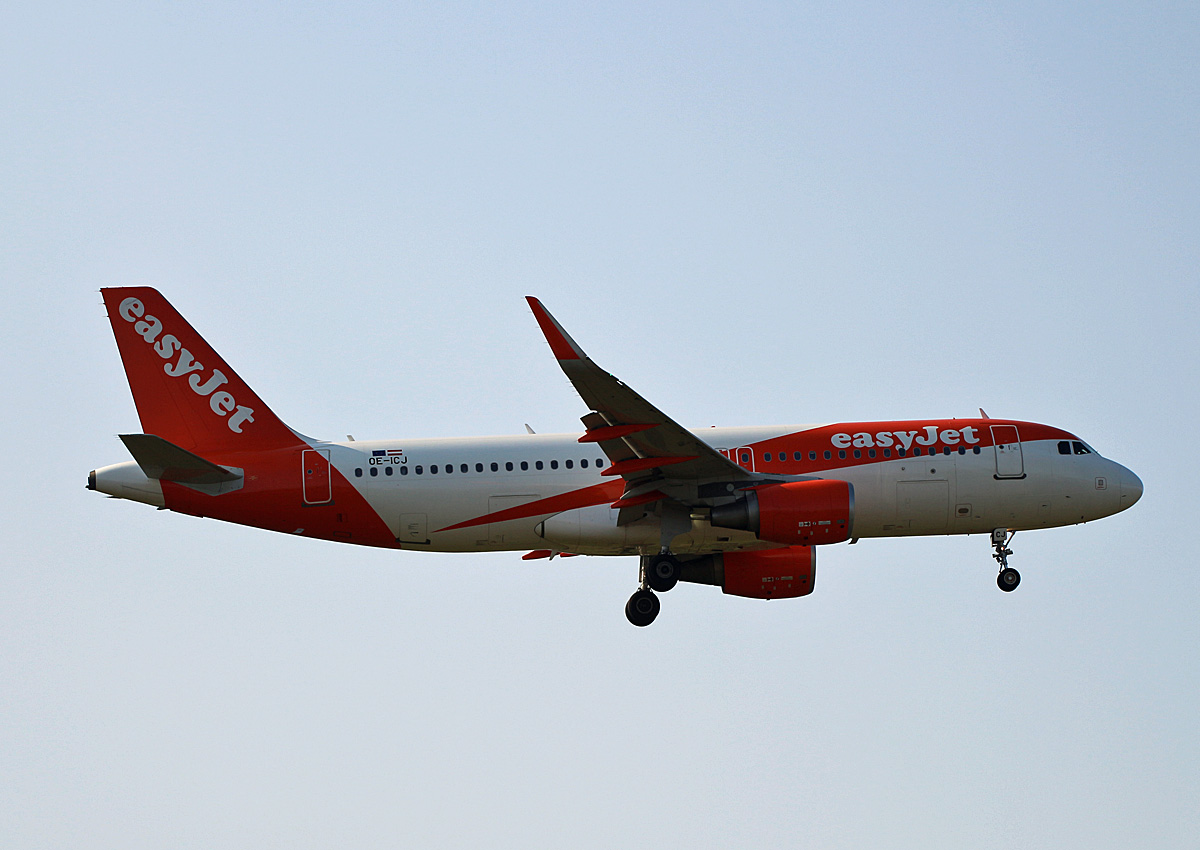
x,y
657,457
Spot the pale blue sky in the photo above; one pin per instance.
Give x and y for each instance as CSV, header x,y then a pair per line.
x,y
752,213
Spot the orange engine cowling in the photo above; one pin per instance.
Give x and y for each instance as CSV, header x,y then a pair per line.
x,y
805,513
770,574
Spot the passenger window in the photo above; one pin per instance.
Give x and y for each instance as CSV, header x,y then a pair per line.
x,y
858,452
495,466
962,450
599,463
797,455
433,469
1064,447
767,457
524,465
842,454
899,452
538,465
828,455
745,457
374,471
387,470
358,472
583,463
945,450
404,470
420,469
871,453
479,467
887,452
462,468
554,464
916,452
976,450
569,463
508,466
449,468
812,455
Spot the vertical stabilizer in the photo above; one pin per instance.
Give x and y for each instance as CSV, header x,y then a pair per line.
x,y
184,391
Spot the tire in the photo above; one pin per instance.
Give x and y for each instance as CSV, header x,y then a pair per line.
x,y
642,608
662,573
1008,579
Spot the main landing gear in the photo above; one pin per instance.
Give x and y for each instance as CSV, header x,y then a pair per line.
x,y
1008,578
659,572
642,607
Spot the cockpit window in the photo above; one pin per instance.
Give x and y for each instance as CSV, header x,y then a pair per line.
x,y
1080,448
1074,447
1064,447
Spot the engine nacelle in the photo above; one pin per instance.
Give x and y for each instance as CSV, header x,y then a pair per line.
x,y
760,574
805,513
770,574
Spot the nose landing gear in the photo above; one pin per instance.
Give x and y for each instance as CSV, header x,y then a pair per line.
x,y
1008,578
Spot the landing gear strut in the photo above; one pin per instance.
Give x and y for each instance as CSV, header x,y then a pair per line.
x,y
658,572
1008,578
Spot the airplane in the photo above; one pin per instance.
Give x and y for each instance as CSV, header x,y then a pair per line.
x,y
743,509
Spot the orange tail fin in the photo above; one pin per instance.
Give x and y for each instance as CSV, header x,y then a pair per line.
x,y
184,391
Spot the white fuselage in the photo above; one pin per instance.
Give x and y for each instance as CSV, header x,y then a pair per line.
x,y
536,491
941,494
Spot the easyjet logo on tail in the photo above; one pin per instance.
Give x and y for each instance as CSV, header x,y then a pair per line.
x,y
167,347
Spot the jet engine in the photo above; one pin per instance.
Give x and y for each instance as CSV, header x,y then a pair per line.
x,y
761,574
805,513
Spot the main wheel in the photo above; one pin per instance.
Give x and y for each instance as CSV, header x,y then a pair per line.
x,y
642,608
1008,579
662,573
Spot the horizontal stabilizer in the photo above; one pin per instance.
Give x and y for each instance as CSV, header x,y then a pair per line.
x,y
165,461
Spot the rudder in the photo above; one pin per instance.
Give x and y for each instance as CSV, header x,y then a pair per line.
x,y
183,390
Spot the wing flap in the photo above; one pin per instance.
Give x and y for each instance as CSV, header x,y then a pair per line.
x,y
604,433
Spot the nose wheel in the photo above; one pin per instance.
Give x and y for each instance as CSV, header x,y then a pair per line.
x,y
1008,578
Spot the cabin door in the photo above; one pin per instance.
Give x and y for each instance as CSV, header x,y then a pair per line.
x,y
1009,461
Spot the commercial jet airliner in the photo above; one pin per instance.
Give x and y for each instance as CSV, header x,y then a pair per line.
x,y
743,509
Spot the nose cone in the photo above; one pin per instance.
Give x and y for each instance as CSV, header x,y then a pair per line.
x,y
1131,488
